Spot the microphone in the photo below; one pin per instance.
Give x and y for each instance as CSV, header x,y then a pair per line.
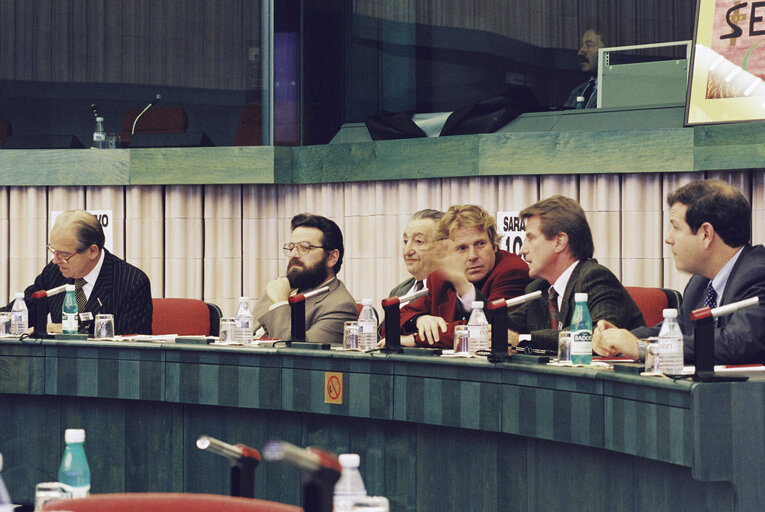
x,y
39,294
310,460
157,97
706,312
243,461
297,313
232,452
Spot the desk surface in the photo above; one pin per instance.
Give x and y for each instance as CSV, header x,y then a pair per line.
x,y
418,421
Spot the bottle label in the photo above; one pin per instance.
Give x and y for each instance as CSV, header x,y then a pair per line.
x,y
99,136
69,323
581,342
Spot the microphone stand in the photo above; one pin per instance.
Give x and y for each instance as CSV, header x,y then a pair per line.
x,y
297,314
243,461
499,309
392,308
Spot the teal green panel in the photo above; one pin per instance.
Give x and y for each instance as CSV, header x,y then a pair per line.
x,y
129,379
356,394
208,384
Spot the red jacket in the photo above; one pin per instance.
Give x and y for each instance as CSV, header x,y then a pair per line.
x,y
507,279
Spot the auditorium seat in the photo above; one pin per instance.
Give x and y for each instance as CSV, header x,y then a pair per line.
x,y
653,301
167,502
185,317
156,120
250,132
5,130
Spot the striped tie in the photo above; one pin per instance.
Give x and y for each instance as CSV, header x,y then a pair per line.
x,y
79,294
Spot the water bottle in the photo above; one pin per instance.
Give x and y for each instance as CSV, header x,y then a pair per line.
x,y
243,329
350,486
5,499
19,315
670,347
478,329
580,102
74,470
69,312
581,331
99,135
367,326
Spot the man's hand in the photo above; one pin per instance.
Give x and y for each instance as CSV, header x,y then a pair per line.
x,y
453,268
610,341
407,340
512,341
429,328
278,290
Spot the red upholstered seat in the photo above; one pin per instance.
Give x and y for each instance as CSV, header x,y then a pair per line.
x,y
155,120
250,132
168,502
5,130
653,301
186,317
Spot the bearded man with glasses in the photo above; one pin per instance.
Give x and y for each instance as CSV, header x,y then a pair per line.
x,y
315,253
103,282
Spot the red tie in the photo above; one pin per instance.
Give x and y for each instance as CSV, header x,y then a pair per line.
x,y
552,299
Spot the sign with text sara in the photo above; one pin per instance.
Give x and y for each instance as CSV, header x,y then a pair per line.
x,y
512,228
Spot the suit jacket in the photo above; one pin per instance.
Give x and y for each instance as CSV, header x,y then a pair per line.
x,y
124,291
590,102
506,280
606,299
739,336
325,315
402,288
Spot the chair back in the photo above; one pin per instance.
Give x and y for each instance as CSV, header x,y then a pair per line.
x,y
167,502
250,132
5,130
154,120
185,317
653,301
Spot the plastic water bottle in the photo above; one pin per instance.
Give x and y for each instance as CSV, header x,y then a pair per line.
x,y
478,329
367,326
5,499
243,329
19,315
581,331
580,102
350,486
670,344
69,312
74,470
99,135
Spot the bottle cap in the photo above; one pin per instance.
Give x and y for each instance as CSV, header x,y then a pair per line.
x,y
670,313
349,460
19,295
244,299
366,302
69,287
74,435
99,119
477,304
580,297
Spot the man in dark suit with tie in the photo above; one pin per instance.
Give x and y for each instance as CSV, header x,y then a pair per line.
x,y
558,248
103,282
419,251
710,229
592,41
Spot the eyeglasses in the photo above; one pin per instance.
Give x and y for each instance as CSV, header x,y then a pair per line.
x,y
62,256
302,247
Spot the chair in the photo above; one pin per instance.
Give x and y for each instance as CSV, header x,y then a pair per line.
x,y
653,301
167,502
185,317
154,120
250,132
5,130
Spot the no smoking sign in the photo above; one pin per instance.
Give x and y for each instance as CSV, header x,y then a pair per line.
x,y
333,388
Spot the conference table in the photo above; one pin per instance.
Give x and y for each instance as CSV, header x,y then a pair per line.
x,y
433,432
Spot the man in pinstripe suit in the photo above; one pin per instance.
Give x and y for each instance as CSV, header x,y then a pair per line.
x,y
104,283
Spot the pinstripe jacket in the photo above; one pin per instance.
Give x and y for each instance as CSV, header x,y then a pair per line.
x,y
122,289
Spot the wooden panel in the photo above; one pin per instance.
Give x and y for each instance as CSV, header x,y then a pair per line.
x,y
56,167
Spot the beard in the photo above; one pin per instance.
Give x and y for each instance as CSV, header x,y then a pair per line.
x,y
305,278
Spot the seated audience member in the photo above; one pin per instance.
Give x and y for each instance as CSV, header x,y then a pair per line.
x,y
558,249
420,254
103,282
710,229
315,255
473,268
592,41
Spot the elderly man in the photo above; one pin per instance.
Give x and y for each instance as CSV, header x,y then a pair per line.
x,y
419,252
474,268
315,255
103,282
559,248
592,41
710,228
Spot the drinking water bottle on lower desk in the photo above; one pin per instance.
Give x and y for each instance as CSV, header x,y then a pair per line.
x,y
19,315
350,486
5,500
670,347
74,470
69,312
367,326
478,329
243,329
581,331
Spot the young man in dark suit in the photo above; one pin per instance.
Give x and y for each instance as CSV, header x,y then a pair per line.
x,y
710,228
558,248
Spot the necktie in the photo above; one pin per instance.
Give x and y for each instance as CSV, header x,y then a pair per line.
x,y
418,286
552,299
79,294
710,297
589,92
